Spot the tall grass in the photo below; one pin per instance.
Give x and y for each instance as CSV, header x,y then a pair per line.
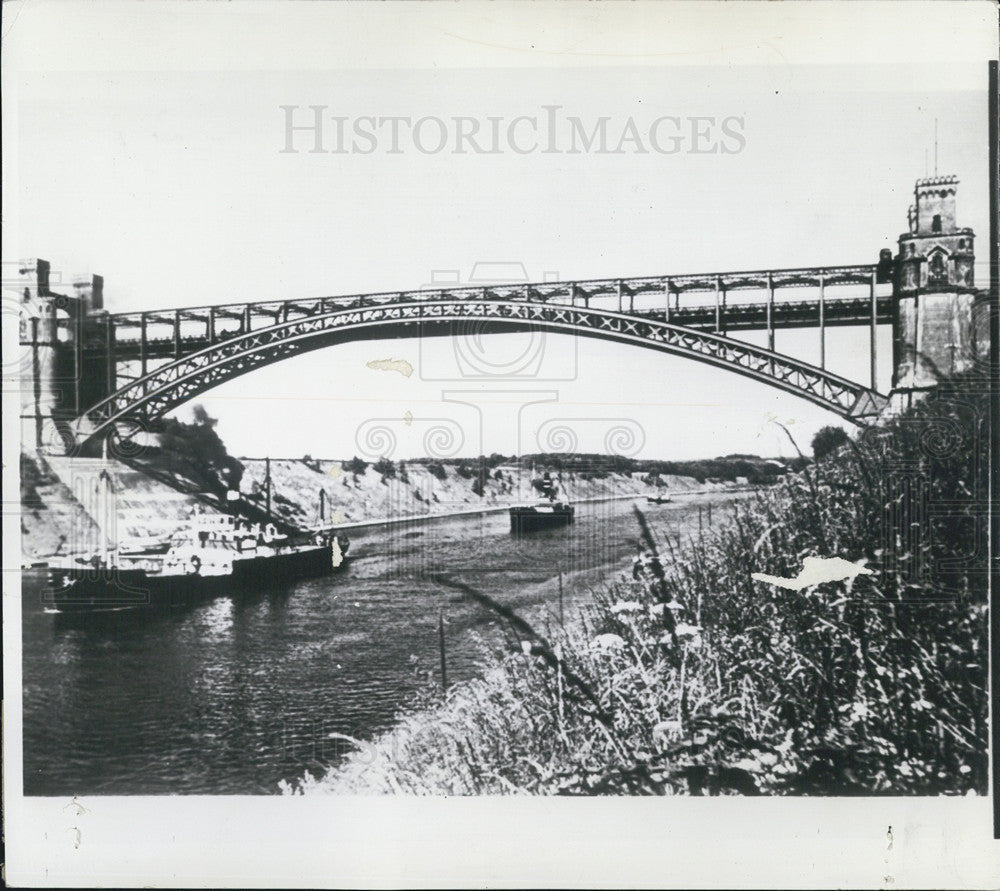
x,y
704,681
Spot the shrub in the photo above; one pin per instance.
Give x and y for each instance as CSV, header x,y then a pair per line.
x,y
827,440
195,450
356,466
436,469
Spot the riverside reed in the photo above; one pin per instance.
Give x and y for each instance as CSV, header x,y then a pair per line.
x,y
709,682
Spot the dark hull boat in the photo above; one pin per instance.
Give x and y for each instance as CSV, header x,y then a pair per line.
x,y
198,566
658,499
528,518
100,589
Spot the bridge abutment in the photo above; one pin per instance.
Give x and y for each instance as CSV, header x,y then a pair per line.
x,y
61,374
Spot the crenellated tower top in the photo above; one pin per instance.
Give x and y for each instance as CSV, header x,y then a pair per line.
x,y
935,254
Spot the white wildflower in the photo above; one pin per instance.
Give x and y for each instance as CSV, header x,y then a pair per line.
x,y
668,729
685,631
607,642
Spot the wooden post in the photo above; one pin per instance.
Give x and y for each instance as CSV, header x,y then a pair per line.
x,y
561,617
177,333
718,319
267,484
666,294
709,513
874,332
699,521
246,319
322,505
444,664
211,324
621,307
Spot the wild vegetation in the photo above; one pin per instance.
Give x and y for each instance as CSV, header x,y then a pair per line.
x,y
195,451
702,680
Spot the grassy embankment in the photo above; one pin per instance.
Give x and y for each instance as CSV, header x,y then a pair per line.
x,y
715,683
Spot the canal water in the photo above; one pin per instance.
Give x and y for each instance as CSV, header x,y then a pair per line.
x,y
237,694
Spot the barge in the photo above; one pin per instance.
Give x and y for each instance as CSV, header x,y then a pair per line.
x,y
214,556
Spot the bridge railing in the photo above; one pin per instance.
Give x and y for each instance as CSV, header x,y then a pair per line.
x,y
571,291
156,334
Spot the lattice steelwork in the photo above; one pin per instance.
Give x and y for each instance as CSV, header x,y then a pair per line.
x,y
300,326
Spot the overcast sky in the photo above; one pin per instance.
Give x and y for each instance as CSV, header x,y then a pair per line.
x,y
174,186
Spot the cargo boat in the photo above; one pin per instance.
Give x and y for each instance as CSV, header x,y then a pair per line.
x,y
543,514
213,556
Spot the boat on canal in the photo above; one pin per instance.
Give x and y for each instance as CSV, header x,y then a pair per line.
x,y
543,514
210,557
660,498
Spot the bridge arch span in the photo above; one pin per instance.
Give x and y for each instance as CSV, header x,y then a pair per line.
x,y
164,388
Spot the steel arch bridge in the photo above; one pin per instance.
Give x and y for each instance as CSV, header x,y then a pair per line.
x,y
235,339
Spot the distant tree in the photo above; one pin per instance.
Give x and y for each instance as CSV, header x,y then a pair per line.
x,y
385,468
436,469
404,477
356,466
826,441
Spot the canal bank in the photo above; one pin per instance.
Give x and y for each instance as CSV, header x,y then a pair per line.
x,y
69,505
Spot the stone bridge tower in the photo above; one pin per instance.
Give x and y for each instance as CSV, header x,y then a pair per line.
x,y
60,376
933,332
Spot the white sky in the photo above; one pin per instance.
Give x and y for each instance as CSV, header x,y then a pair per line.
x,y
172,185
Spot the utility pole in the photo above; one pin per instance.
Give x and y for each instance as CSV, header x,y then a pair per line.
x,y
444,663
267,484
